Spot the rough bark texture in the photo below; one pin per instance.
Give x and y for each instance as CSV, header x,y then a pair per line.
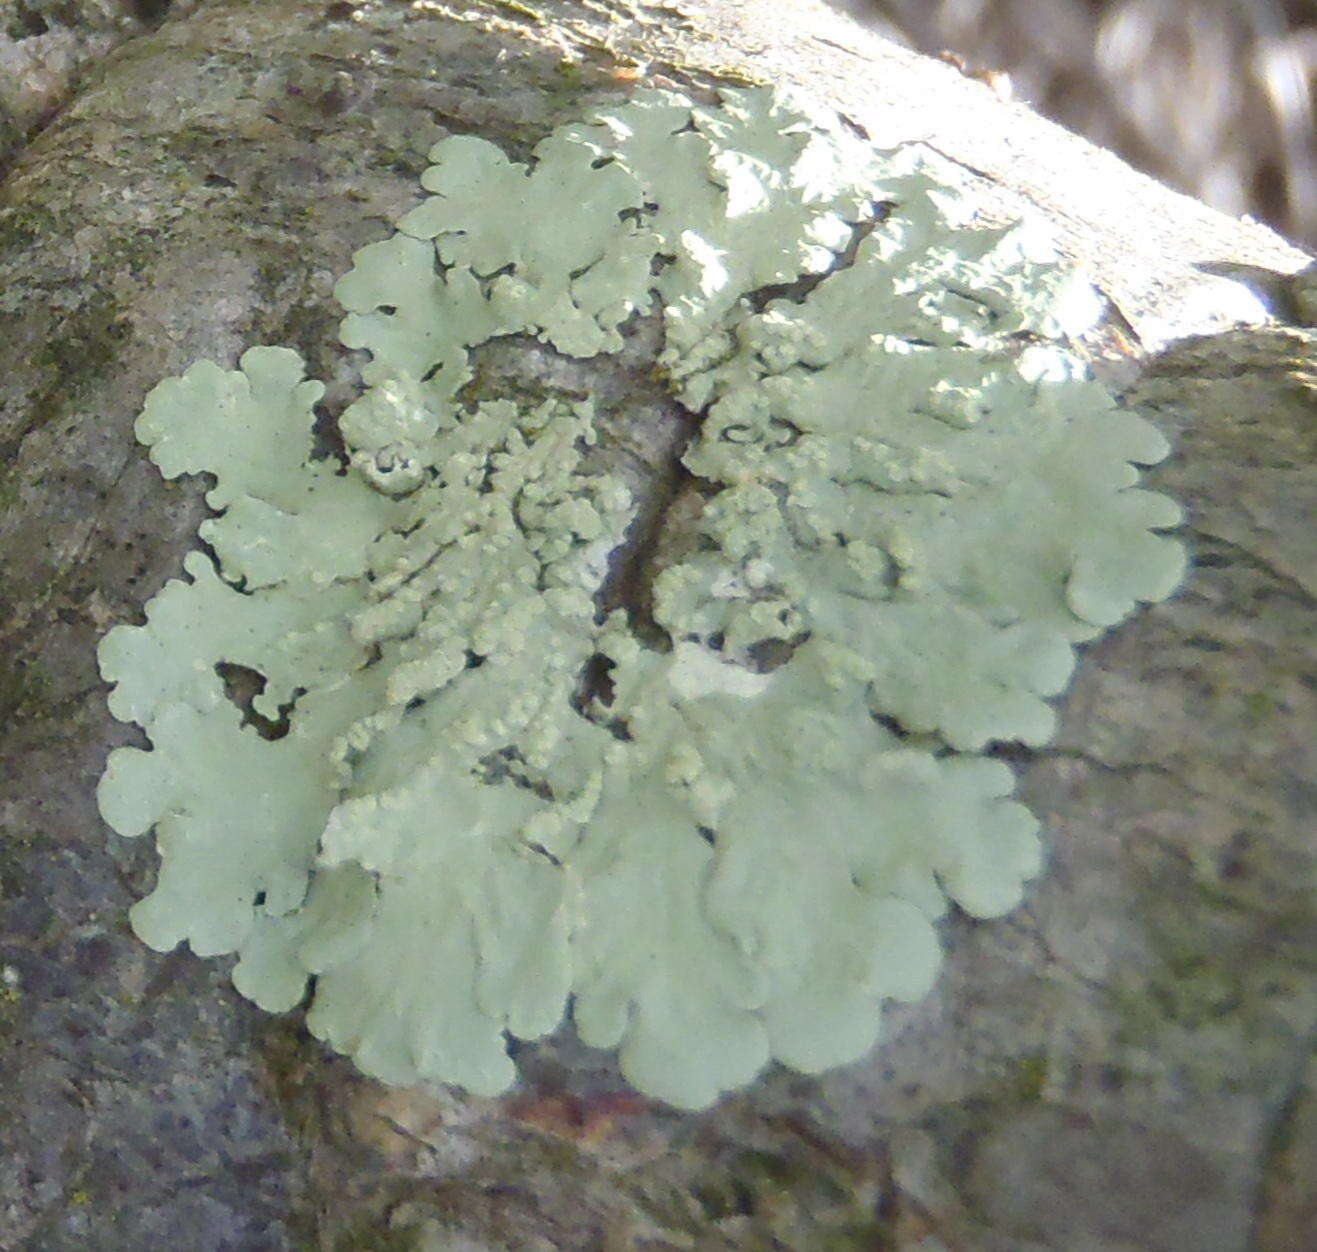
x,y
1124,1063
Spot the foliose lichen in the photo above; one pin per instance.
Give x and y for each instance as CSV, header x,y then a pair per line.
x,y
736,848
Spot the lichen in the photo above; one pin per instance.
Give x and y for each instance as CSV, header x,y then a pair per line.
x,y
732,843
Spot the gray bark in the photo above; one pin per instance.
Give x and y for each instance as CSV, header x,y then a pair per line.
x,y
1124,1063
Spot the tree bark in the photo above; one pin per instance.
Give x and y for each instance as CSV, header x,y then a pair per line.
x,y
1126,1062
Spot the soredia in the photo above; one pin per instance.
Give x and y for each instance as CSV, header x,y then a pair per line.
x,y
733,847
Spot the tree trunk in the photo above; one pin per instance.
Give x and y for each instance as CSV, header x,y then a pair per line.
x,y
1124,1062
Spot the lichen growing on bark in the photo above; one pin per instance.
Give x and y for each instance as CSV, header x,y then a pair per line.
x,y
731,843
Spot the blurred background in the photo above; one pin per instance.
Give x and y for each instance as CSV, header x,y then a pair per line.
x,y
1214,97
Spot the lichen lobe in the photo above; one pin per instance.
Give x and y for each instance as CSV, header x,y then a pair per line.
x,y
717,847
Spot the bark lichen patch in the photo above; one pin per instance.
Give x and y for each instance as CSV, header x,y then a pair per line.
x,y
499,784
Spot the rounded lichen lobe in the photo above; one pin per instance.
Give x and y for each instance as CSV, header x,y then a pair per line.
x,y
724,838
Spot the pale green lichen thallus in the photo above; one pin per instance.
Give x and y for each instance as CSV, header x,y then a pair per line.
x,y
918,503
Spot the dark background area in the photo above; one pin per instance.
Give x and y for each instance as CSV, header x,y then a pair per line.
x,y
1213,97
